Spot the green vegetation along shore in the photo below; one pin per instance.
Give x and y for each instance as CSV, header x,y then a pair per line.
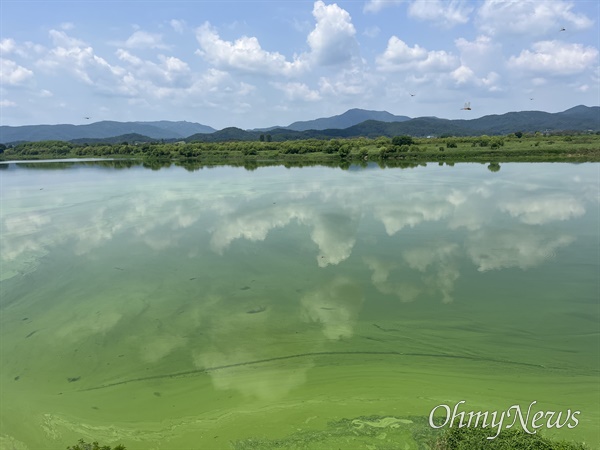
x,y
424,438
509,148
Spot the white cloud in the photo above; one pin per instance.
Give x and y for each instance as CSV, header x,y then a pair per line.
x,y
13,74
412,213
7,103
74,56
7,46
25,50
350,82
372,32
446,13
521,247
298,91
335,307
82,61
177,25
439,265
143,39
332,41
150,78
67,26
464,75
62,39
528,17
245,54
480,54
540,210
398,56
555,58
375,6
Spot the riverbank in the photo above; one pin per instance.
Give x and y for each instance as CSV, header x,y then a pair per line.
x,y
511,148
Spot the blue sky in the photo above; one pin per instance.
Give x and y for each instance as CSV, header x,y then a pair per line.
x,y
257,64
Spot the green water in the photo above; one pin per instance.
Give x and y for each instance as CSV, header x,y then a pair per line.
x,y
293,308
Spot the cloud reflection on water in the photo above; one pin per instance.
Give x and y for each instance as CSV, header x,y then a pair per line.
x,y
332,210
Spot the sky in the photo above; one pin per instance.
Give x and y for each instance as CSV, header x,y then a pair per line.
x,y
252,64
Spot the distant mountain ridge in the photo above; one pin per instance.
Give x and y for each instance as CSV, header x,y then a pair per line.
x,y
578,118
101,130
346,120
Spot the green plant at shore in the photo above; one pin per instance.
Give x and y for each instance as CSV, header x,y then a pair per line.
x,y
82,445
477,438
528,147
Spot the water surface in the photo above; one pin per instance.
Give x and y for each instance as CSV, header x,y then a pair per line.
x,y
293,307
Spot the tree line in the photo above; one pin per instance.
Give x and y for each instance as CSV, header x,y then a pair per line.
x,y
397,147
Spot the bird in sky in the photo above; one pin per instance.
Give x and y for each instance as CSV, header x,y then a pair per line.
x,y
563,29
86,118
467,106
412,95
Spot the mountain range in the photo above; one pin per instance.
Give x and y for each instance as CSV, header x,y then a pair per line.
x,y
163,129
352,123
349,118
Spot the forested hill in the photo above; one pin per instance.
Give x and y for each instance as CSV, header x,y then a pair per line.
x,y
577,119
100,130
349,118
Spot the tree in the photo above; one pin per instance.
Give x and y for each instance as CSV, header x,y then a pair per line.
x,y
397,141
262,138
333,146
268,137
494,167
519,134
344,151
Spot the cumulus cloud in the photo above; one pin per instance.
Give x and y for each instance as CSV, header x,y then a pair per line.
x,y
543,209
298,92
377,5
143,39
73,55
7,46
465,75
418,209
372,32
555,58
350,82
332,41
334,234
479,54
13,74
445,13
335,306
177,25
245,54
399,56
439,266
169,70
520,247
406,291
62,39
528,17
